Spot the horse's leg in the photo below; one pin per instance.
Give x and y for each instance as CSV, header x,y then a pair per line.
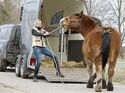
x,y
112,64
103,79
91,80
84,64
90,71
98,64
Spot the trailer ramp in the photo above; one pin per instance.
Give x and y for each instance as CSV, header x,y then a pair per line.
x,y
72,75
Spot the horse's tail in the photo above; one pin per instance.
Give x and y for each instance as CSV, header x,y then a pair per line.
x,y
105,48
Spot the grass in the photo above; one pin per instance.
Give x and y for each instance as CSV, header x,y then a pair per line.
x,y
69,64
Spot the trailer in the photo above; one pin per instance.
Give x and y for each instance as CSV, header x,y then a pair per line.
x,y
50,12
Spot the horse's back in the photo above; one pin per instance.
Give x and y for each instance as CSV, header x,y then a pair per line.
x,y
93,41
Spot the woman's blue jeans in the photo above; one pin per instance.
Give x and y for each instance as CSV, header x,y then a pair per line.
x,y
46,51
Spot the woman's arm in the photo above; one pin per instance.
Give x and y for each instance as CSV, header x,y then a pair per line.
x,y
36,33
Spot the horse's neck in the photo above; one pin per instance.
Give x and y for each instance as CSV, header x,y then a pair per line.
x,y
85,32
87,27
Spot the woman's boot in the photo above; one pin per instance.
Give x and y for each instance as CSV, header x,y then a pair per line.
x,y
35,76
58,72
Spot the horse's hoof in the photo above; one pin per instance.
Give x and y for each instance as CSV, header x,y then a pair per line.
x,y
103,84
90,85
110,86
98,89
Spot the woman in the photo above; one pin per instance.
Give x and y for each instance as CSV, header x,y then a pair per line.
x,y
39,47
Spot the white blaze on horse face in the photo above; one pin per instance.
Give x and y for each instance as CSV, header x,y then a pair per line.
x,y
64,21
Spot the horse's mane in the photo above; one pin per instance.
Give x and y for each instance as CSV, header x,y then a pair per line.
x,y
89,23
98,21
76,14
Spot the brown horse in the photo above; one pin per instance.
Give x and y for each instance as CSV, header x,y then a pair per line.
x,y
101,46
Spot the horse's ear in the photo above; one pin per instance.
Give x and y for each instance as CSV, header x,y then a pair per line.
x,y
81,14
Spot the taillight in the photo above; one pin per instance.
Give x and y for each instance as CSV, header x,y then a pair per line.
x,y
32,61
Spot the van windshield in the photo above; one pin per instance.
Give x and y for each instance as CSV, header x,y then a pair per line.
x,y
5,32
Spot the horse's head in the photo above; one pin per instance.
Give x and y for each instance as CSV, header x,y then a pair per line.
x,y
72,22
78,22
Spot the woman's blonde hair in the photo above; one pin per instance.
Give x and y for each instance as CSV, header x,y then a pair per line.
x,y
38,23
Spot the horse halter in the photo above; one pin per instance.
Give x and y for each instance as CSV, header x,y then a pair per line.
x,y
75,21
68,20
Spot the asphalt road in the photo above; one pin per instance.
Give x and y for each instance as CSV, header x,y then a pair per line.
x,y
9,83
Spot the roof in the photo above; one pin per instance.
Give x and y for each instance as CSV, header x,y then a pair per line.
x,y
8,25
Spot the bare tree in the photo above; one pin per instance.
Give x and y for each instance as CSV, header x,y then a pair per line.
x,y
10,11
3,14
118,8
98,8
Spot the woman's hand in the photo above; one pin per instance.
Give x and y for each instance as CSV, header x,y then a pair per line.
x,y
46,33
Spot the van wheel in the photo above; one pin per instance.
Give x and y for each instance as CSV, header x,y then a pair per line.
x,y
24,70
3,65
18,68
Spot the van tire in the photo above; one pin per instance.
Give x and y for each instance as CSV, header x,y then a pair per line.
x,y
24,70
18,67
3,65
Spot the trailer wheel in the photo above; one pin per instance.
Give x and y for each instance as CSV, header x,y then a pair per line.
x,y
3,65
18,67
24,70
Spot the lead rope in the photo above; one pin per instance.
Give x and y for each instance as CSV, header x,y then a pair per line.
x,y
54,61
53,55
55,30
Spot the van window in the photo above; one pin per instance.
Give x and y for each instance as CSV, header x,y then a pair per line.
x,y
5,33
18,33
